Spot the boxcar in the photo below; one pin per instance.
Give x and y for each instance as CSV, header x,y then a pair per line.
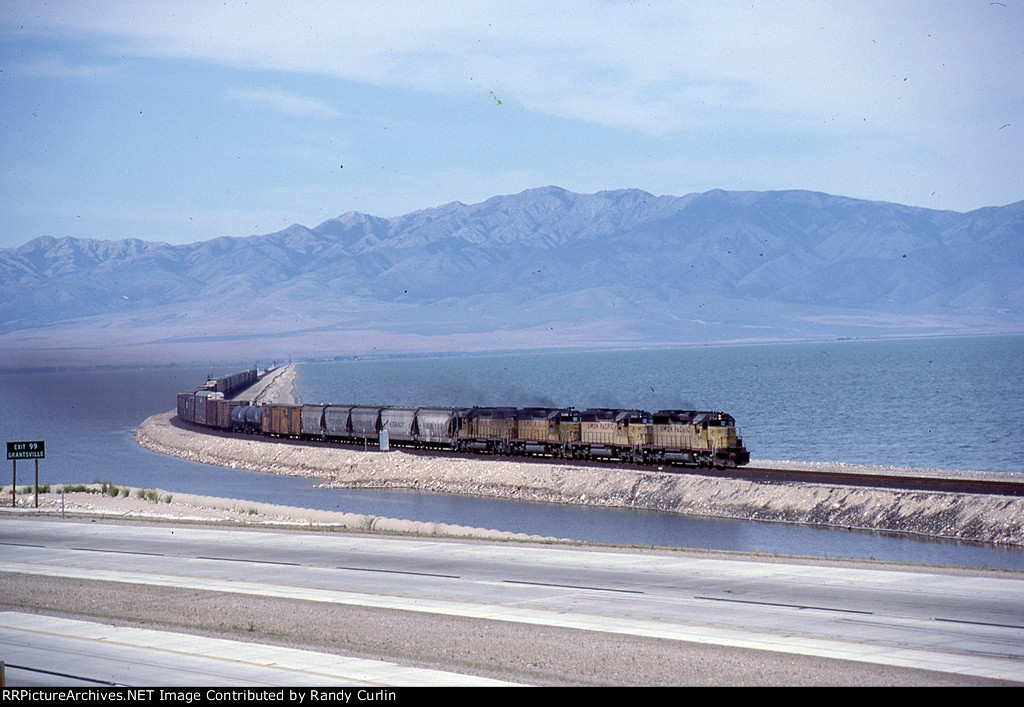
x,y
282,420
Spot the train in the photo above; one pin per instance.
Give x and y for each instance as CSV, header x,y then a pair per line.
x,y
666,437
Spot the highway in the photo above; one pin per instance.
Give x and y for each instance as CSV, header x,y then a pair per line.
x,y
921,624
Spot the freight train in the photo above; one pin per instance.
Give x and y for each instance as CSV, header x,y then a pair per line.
x,y
684,437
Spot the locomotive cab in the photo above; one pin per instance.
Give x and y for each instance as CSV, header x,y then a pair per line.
x,y
698,437
718,429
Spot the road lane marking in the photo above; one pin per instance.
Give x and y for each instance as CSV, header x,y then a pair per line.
x,y
1005,668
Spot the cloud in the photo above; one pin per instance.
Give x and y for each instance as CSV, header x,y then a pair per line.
x,y
55,66
287,103
641,66
881,100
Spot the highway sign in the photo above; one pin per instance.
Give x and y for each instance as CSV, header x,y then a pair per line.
x,y
26,450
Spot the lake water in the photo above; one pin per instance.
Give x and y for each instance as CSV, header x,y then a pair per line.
x,y
948,403
932,403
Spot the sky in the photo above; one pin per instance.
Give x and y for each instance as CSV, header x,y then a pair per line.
x,y
187,120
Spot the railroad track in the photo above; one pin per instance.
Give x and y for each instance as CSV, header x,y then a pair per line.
x,y
924,481
907,480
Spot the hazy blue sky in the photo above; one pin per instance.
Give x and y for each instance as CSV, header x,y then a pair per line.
x,y
181,120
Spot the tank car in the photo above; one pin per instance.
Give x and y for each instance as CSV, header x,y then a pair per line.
x,y
248,419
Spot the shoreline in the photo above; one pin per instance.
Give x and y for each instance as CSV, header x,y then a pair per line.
x,y
111,502
986,519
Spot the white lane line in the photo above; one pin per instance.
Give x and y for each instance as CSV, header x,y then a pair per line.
x,y
876,653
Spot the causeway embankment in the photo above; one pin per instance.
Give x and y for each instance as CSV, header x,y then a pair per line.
x,y
972,517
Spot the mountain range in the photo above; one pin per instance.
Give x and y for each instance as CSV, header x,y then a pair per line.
x,y
546,268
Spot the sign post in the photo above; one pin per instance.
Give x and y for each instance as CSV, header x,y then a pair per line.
x,y
25,450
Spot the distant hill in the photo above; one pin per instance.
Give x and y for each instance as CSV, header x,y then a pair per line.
x,y
540,269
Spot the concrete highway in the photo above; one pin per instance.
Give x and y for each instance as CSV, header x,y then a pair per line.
x,y
895,626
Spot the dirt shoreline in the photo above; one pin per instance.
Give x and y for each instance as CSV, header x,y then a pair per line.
x,y
127,503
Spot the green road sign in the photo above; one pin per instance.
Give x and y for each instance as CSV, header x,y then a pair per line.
x,y
26,450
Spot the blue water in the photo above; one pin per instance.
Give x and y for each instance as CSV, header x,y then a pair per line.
x,y
932,403
950,403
